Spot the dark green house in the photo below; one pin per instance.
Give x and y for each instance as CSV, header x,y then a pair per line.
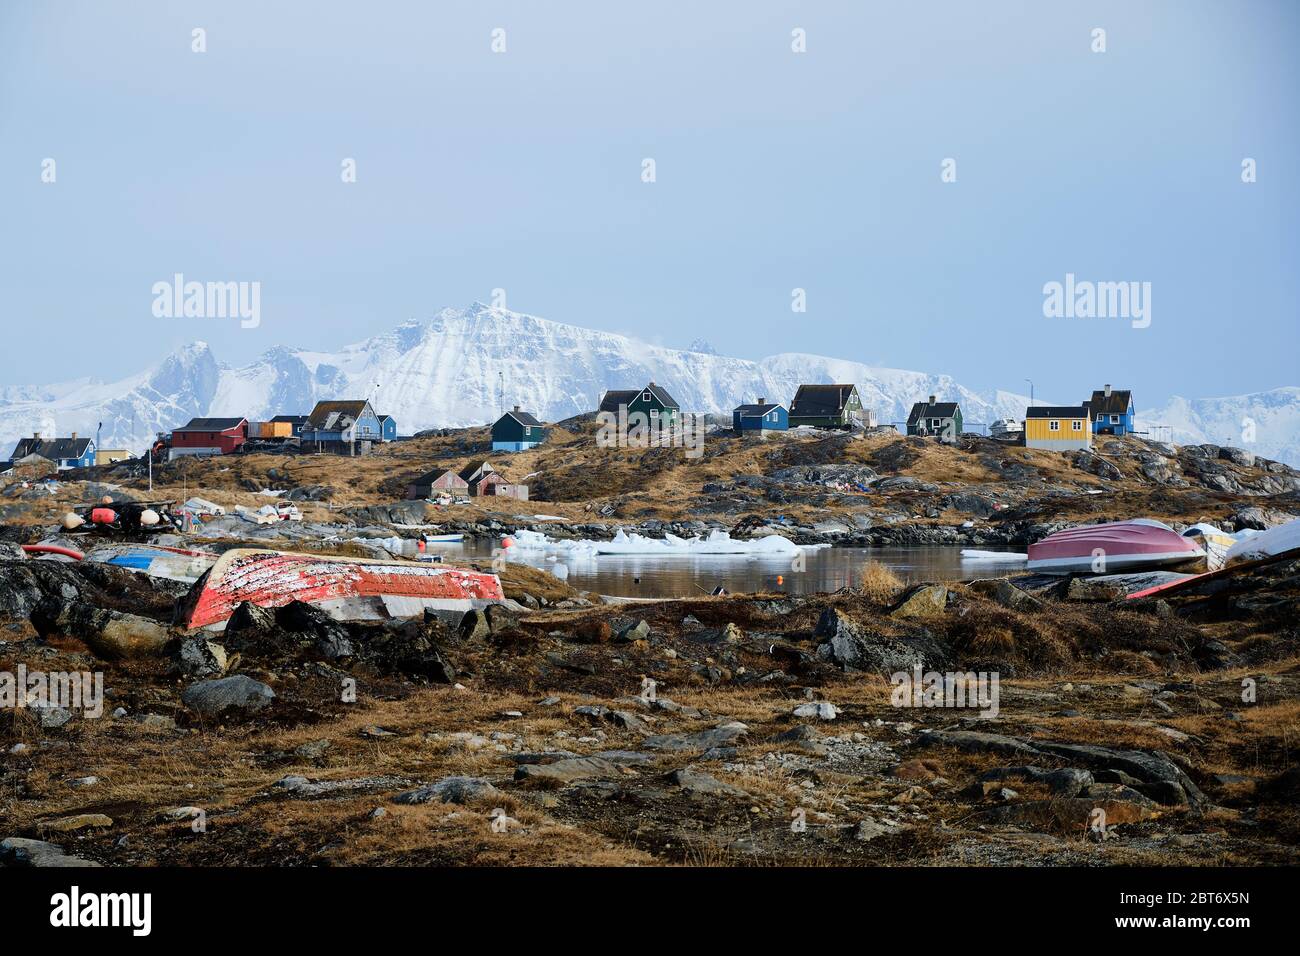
x,y
517,430
934,417
653,402
828,406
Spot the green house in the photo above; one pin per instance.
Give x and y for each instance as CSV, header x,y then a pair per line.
x,y
517,430
653,402
828,406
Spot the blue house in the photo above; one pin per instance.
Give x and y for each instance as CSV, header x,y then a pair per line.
x,y
342,423
517,431
388,427
1111,412
67,453
755,421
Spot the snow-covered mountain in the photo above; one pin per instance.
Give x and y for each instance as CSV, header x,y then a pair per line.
x,y
463,367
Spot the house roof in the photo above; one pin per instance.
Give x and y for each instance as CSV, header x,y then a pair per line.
x,y
475,469
330,415
659,392
291,419
821,399
51,449
1057,411
523,418
932,410
757,411
1117,403
616,397
210,424
383,418
432,476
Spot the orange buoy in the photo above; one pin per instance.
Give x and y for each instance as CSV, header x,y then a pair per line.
x,y
106,500
507,542
103,515
780,579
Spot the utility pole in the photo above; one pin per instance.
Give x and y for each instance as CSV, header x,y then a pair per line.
x,y
1031,391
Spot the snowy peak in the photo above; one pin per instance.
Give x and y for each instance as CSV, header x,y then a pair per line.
x,y
463,366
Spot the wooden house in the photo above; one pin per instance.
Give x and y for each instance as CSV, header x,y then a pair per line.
x,y
208,436
1058,428
828,406
933,417
1111,411
653,402
437,482
65,453
760,418
517,430
342,423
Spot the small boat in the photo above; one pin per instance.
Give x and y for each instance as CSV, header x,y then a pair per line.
x,y
157,561
1282,539
1214,542
348,589
443,538
1118,546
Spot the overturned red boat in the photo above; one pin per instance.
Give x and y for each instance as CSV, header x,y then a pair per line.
x,y
1118,546
345,588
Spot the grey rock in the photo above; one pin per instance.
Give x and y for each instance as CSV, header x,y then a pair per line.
x,y
449,790
239,694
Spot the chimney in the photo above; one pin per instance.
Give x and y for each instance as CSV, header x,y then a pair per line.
x,y
934,399
1108,391
74,436
516,408
762,401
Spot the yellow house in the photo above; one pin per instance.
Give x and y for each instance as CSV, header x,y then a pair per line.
x,y
106,456
1058,428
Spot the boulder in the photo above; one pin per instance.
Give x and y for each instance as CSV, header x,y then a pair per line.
x,y
239,695
449,790
926,600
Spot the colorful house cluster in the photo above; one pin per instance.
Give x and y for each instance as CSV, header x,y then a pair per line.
x,y
813,406
1070,428
63,453
478,479
343,427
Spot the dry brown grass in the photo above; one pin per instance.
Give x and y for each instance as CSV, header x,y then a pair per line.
x,y
878,583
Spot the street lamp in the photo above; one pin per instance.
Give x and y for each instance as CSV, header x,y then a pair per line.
x,y
1031,391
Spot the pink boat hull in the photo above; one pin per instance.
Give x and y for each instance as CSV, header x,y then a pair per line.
x,y
347,588
1109,548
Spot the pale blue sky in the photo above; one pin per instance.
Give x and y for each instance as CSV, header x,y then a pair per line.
x,y
775,170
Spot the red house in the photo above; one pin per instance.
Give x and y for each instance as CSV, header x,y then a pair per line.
x,y
209,436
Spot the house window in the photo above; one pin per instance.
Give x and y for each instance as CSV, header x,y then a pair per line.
x,y
1101,418
1054,425
1114,419
772,416
645,397
934,423
1076,426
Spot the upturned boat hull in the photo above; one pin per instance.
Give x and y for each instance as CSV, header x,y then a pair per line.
x,y
1109,548
174,564
345,588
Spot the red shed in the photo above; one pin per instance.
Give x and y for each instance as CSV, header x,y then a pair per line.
x,y
209,436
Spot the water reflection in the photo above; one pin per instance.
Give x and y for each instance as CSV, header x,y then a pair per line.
x,y
824,569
